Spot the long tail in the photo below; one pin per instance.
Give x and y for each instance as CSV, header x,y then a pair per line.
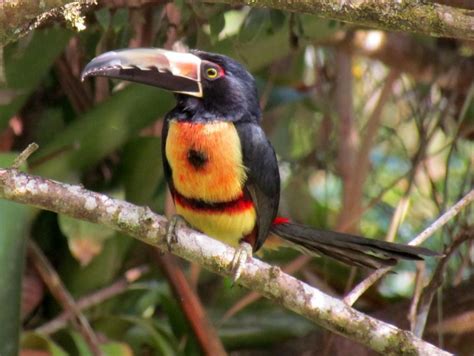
x,y
350,249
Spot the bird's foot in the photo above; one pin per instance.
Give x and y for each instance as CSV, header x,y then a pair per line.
x,y
174,222
243,252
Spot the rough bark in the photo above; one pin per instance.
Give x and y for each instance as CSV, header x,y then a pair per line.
x,y
17,18
427,17
430,18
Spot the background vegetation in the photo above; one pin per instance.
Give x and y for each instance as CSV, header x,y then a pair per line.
x,y
374,131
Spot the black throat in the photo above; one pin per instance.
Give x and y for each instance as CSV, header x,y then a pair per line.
x,y
189,108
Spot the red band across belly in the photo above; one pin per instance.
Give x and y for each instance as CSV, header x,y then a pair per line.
x,y
240,204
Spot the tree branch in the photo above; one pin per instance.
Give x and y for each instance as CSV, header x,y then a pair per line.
x,y
418,16
143,224
17,18
63,297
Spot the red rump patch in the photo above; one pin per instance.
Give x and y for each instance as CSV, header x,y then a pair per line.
x,y
280,220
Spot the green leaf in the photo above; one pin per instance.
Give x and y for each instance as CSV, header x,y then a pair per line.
x,y
26,64
140,155
277,19
100,131
85,239
145,332
216,24
120,19
103,18
262,327
100,271
180,325
254,23
270,47
116,349
38,342
109,348
14,223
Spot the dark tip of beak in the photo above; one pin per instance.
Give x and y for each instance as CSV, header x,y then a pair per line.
x,y
102,65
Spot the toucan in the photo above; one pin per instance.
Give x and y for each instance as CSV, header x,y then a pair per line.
x,y
221,169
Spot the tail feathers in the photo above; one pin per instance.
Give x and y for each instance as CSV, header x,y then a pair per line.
x,y
349,249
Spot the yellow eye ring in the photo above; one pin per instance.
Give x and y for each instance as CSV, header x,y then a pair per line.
x,y
212,73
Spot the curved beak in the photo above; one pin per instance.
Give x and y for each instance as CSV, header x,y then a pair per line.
x,y
173,71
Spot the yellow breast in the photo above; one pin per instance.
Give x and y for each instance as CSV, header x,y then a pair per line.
x,y
227,226
206,160
206,164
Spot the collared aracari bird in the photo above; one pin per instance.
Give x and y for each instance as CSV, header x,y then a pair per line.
x,y
220,167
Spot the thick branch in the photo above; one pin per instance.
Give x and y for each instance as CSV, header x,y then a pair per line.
x,y
268,280
19,17
418,16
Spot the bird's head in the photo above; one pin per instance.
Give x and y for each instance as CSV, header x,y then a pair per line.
x,y
208,86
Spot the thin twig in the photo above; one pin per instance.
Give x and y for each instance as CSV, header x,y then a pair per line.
x,y
24,155
118,287
443,219
59,291
351,298
423,307
419,285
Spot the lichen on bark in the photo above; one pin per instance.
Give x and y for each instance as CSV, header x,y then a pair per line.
x,y
17,18
418,16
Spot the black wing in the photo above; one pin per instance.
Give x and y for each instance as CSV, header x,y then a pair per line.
x,y
263,177
166,165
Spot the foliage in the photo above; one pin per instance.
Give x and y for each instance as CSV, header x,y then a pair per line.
x,y
106,137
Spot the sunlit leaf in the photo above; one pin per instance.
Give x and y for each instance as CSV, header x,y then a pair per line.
x,y
108,348
39,342
116,349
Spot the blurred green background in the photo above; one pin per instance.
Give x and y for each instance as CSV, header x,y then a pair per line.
x,y
374,132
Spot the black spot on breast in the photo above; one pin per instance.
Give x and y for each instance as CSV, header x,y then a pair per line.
x,y
198,159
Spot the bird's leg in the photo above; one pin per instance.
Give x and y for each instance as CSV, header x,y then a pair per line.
x,y
171,237
243,252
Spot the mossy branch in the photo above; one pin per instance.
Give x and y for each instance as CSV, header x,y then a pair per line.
x,y
420,16
270,281
431,17
17,18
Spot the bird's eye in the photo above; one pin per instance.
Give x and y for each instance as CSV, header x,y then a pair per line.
x,y
212,73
